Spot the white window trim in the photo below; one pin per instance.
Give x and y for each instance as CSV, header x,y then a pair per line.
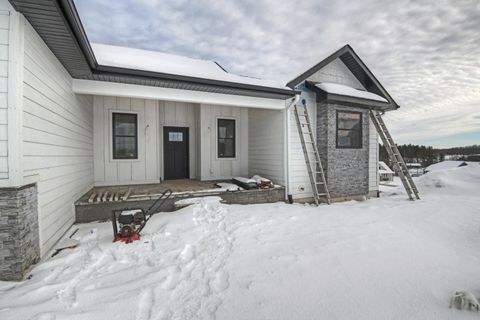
x,y
216,138
110,135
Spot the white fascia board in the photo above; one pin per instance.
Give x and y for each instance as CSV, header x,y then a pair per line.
x,y
157,93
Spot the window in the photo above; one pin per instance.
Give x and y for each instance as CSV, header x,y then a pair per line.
x,y
175,136
226,138
125,139
349,130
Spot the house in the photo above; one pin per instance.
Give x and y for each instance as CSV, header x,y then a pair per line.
x,y
386,174
76,116
415,169
445,165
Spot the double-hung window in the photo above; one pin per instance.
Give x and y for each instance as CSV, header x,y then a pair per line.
x,y
349,129
226,138
125,136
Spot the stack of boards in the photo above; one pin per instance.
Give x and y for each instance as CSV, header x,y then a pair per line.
x,y
256,182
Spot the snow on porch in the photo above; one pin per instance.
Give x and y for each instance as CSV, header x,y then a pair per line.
x,y
386,258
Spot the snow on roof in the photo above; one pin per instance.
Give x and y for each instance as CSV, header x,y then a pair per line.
x,y
411,164
343,90
445,165
383,168
154,61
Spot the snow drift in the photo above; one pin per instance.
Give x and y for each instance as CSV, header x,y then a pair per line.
x,y
386,258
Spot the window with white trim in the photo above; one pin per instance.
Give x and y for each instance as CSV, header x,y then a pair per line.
x,y
125,135
226,138
349,129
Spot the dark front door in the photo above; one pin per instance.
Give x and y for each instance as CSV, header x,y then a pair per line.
x,y
175,153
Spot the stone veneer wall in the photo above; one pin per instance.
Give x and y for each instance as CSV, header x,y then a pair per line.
x,y
19,242
346,170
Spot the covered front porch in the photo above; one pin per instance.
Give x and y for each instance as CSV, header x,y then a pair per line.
x,y
144,144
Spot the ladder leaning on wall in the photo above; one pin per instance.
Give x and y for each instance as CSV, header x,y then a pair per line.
x,y
314,164
398,164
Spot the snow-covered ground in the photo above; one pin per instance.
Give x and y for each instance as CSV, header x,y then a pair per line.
x,y
386,258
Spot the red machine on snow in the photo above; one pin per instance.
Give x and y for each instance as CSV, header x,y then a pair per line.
x,y
129,222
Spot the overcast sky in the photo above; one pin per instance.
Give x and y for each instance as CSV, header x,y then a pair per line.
x,y
425,53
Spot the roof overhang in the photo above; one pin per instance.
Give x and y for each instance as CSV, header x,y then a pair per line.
x,y
105,88
322,95
358,68
58,24
131,76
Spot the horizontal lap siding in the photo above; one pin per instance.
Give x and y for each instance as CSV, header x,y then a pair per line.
x,y
265,144
300,186
373,176
4,47
57,139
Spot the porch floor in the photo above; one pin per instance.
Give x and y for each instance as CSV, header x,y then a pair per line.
x,y
153,190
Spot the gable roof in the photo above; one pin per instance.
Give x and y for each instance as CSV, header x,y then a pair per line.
x,y
58,24
358,68
383,168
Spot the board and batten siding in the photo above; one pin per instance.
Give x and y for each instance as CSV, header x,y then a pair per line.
x,y
266,145
57,138
180,114
4,53
211,166
109,171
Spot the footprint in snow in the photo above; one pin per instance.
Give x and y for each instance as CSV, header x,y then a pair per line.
x,y
220,282
172,280
187,254
145,304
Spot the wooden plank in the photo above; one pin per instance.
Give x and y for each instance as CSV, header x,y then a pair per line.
x,y
110,199
92,196
126,195
99,197
104,197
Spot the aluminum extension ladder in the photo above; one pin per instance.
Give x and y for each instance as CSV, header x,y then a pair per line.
x,y
398,164
314,164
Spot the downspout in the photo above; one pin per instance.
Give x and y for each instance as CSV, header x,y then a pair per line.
x,y
287,139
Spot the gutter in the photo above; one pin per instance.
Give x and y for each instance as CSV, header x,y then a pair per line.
x,y
287,139
118,71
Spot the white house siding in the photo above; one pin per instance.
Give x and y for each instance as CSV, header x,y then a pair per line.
x,y
265,144
4,49
57,138
211,167
180,114
336,72
145,169
299,184
373,157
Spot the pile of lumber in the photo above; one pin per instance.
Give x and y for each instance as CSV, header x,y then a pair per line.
x,y
263,183
255,182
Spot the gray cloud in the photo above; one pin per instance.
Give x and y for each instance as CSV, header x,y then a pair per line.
x,y
426,53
